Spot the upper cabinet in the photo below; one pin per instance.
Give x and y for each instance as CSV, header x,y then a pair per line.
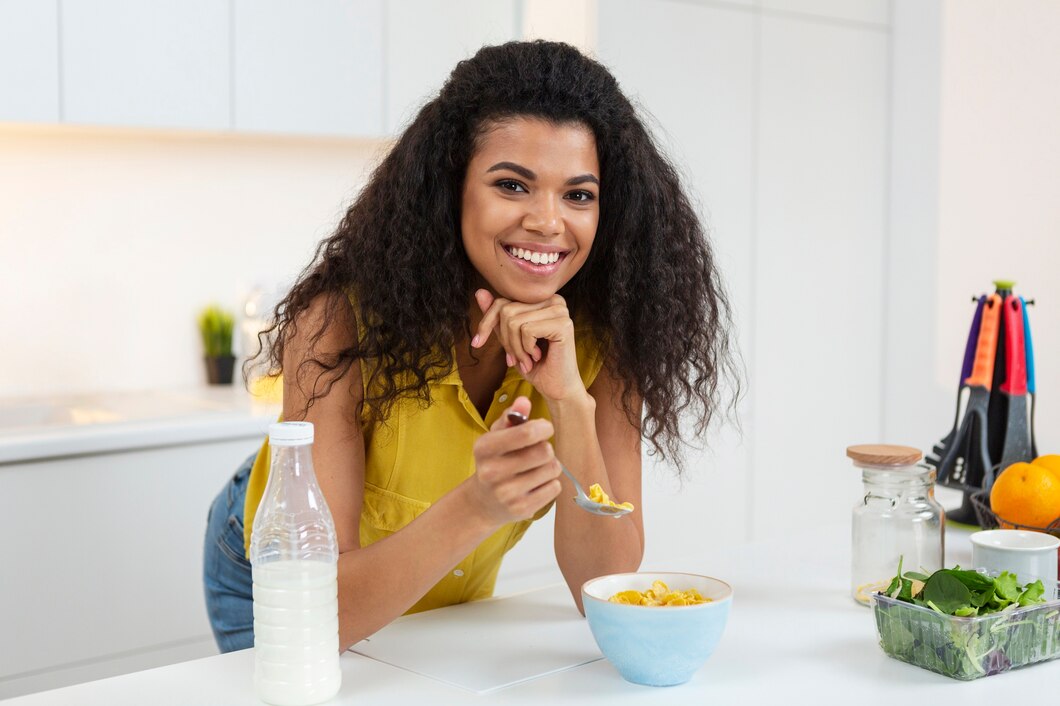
x,y
29,60
164,63
308,68
352,68
868,11
426,38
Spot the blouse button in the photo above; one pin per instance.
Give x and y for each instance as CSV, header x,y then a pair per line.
x,y
504,397
458,573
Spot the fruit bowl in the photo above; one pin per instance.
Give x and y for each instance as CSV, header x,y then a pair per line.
x,y
656,645
988,519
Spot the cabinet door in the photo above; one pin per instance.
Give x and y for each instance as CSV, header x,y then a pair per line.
x,y
822,202
164,63
29,60
103,557
695,90
426,38
309,68
871,11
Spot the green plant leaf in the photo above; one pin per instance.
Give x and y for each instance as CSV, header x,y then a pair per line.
x,y
945,592
1033,594
1005,586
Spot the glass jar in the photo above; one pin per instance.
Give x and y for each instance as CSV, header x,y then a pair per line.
x,y
898,518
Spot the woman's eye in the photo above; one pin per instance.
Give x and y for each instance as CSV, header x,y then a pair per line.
x,y
511,185
581,196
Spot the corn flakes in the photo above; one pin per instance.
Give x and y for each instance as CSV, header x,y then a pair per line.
x,y
597,495
659,595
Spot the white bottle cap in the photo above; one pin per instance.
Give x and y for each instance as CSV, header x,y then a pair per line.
x,y
290,433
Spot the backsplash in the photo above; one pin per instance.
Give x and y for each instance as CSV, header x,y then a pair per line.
x,y
119,237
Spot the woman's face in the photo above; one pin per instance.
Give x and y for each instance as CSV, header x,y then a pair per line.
x,y
530,207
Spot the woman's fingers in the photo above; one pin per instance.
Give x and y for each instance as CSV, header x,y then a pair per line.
x,y
520,405
491,313
533,329
519,326
523,331
515,465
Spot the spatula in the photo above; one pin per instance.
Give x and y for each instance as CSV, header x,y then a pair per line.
x,y
1017,446
939,450
971,438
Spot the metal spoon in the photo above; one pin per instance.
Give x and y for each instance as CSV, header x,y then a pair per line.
x,y
581,499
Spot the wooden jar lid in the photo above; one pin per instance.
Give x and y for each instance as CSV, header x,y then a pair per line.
x,y
884,455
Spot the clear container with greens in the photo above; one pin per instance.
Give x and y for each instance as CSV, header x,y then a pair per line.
x,y
968,647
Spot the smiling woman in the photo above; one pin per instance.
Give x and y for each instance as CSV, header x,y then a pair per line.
x,y
524,248
530,206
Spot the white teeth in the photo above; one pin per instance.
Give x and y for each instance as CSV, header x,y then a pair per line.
x,y
538,258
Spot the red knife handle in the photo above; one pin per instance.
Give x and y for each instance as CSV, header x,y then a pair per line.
x,y
1015,382
986,349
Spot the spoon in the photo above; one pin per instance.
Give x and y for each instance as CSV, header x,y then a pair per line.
x,y
582,500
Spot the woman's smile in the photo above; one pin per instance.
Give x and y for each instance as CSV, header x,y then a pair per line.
x,y
536,260
530,205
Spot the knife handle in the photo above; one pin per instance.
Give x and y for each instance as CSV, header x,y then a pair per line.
x,y
1015,382
973,337
986,349
1028,343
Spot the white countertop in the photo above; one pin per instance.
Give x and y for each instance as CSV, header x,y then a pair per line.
x,y
33,428
794,636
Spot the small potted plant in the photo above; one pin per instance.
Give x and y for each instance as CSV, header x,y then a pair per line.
x,y
215,327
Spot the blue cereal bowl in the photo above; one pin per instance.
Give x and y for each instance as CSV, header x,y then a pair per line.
x,y
656,645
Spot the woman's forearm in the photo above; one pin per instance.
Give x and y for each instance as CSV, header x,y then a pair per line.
x,y
588,545
378,583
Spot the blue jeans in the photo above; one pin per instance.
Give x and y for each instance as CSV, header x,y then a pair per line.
x,y
226,571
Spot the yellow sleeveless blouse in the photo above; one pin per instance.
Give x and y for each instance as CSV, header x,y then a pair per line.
x,y
422,454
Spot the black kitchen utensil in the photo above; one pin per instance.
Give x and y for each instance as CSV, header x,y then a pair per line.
x,y
966,463
1017,443
938,452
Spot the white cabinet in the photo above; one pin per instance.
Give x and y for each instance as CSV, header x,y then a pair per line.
x,y
355,68
779,120
102,559
29,60
308,68
697,92
164,63
426,38
821,208
870,11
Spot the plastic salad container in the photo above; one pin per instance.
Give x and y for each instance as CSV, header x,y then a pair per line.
x,y
968,648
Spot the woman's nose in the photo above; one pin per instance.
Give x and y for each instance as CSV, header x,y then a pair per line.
x,y
544,217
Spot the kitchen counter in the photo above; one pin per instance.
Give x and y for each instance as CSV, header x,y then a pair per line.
x,y
794,632
35,428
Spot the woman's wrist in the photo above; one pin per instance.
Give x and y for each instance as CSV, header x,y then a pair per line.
x,y
469,504
576,406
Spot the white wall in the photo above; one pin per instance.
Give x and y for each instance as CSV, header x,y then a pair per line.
x,y
976,173
113,240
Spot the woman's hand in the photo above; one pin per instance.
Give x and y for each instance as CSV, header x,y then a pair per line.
x,y
516,469
553,371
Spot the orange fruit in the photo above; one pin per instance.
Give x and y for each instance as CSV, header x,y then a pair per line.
x,y
1050,461
1027,494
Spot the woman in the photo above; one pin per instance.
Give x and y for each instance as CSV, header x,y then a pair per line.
x,y
522,247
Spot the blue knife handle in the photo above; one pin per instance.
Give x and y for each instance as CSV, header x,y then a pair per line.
x,y
1029,346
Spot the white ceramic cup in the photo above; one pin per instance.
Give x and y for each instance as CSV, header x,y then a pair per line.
x,y
1029,555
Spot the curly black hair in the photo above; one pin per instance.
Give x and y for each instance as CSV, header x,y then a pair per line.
x,y
650,287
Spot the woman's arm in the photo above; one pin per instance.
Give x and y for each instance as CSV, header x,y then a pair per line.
x,y
515,477
594,438
596,442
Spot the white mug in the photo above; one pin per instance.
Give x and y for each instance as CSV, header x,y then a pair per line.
x,y
1029,555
